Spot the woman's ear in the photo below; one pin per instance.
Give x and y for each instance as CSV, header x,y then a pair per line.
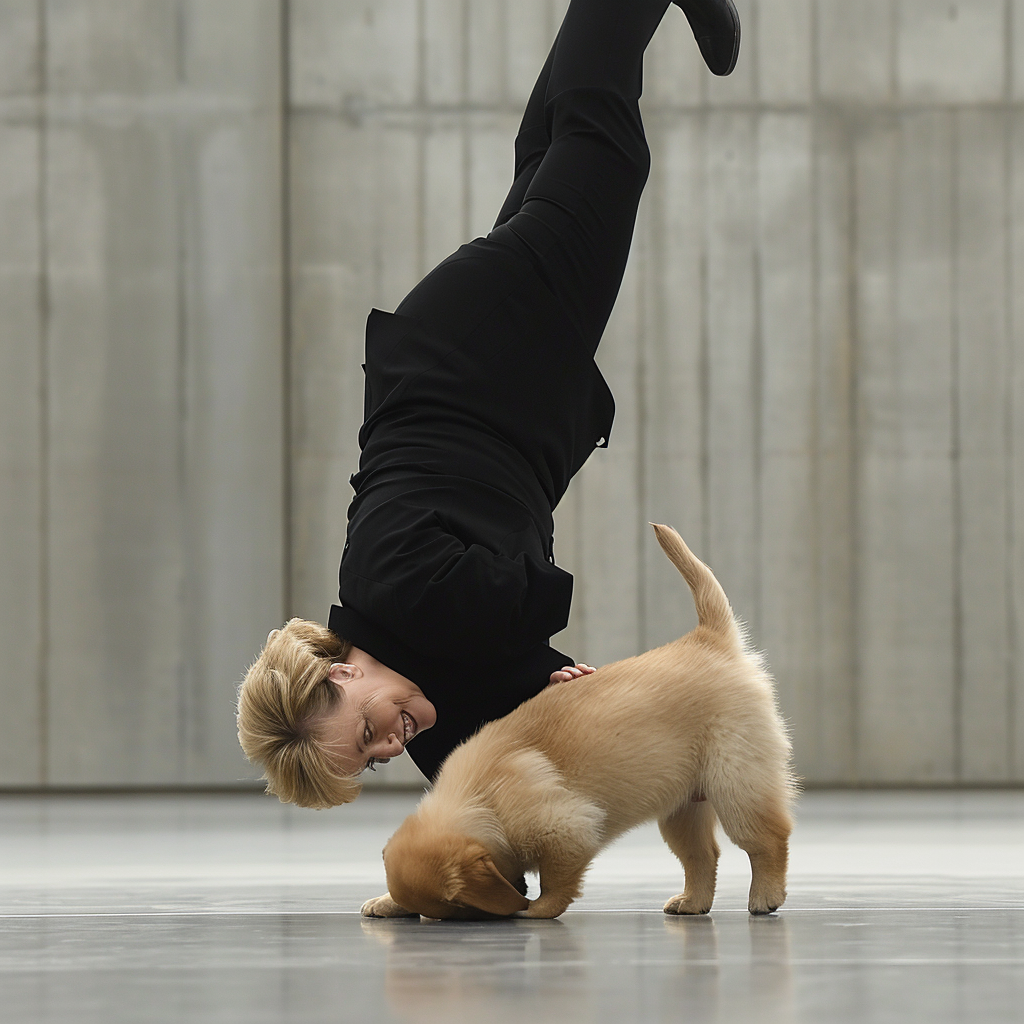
x,y
341,672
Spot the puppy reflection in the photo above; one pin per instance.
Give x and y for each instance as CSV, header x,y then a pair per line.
x,y
771,970
516,971
697,984
728,971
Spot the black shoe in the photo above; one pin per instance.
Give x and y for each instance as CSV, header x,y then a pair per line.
x,y
716,27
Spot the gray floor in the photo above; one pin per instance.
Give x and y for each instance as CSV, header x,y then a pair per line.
x,y
903,907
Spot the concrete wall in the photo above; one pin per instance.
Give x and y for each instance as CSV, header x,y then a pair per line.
x,y
142,506
814,355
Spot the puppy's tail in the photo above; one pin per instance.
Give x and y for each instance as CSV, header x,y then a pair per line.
x,y
714,612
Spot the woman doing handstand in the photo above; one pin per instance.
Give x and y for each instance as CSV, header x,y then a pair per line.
x,y
482,401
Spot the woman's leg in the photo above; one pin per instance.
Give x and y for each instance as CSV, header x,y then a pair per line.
x,y
582,159
581,165
531,143
716,28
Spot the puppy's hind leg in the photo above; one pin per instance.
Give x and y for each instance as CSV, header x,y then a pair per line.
x,y
690,833
760,824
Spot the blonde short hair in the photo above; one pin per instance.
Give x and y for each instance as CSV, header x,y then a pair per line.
x,y
281,702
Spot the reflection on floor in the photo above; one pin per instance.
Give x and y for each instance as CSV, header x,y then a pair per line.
x,y
902,907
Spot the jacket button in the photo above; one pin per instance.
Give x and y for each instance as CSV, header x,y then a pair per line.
x,y
600,441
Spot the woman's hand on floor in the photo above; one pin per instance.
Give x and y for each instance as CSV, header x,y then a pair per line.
x,y
571,672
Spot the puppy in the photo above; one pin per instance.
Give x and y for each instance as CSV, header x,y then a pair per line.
x,y
684,734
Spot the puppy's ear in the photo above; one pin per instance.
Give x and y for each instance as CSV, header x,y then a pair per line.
x,y
481,885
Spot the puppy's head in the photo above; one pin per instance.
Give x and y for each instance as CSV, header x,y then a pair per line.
x,y
444,875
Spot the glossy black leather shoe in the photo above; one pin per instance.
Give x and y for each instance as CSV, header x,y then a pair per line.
x,y
716,27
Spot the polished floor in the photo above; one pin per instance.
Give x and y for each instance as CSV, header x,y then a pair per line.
x,y
903,907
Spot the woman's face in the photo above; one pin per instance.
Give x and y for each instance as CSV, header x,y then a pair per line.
x,y
380,711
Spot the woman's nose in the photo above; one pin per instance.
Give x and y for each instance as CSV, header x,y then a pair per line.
x,y
386,744
394,745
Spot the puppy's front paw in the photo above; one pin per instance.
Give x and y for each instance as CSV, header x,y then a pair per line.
x,y
546,907
385,906
683,904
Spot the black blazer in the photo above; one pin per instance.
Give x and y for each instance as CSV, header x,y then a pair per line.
x,y
468,443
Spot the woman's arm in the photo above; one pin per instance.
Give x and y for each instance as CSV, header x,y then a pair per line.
x,y
447,599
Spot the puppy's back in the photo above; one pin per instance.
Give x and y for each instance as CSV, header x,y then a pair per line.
x,y
654,719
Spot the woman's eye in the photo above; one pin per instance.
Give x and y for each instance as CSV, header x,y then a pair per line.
x,y
367,734
371,765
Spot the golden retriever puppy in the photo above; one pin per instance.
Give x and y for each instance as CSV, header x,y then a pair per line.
x,y
684,734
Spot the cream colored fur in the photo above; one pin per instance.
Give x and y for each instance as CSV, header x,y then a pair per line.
x,y
683,734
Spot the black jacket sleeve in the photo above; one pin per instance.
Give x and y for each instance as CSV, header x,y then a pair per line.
x,y
448,599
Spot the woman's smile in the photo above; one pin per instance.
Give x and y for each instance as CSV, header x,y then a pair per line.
x,y
364,729
410,727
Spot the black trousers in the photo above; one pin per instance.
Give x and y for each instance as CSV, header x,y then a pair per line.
x,y
581,165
